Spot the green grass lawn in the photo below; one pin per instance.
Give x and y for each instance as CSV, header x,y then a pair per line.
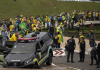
x,y
10,8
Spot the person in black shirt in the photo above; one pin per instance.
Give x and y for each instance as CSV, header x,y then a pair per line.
x,y
98,54
82,50
51,30
93,51
55,40
71,47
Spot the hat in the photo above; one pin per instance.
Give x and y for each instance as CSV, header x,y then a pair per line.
x,y
72,36
80,32
91,30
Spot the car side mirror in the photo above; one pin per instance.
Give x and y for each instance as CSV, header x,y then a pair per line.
x,y
38,50
5,52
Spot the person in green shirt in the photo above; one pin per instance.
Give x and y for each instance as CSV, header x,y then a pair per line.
x,y
22,32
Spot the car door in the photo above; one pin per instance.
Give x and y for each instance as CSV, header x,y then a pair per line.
x,y
43,48
38,54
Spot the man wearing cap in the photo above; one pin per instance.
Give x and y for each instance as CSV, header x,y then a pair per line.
x,y
91,35
71,47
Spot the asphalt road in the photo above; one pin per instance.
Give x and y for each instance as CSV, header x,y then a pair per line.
x,y
80,65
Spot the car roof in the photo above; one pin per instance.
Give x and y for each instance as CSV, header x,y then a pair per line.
x,y
41,34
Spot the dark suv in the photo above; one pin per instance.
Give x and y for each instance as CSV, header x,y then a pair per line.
x,y
33,50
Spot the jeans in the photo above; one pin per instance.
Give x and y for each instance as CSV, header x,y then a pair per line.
x,y
56,46
51,34
4,41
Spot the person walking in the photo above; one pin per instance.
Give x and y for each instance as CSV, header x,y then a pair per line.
x,y
93,51
71,47
4,37
98,54
82,50
91,35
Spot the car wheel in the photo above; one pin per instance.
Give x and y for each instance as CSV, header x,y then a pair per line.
x,y
49,60
36,65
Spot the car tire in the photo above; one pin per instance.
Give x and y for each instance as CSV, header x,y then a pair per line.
x,y
36,65
49,60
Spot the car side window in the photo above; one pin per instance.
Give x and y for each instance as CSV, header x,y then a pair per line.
x,y
41,43
37,46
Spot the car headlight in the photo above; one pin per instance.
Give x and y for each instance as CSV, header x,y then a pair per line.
x,y
5,62
26,62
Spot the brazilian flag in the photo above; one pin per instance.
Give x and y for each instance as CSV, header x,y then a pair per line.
x,y
22,25
61,35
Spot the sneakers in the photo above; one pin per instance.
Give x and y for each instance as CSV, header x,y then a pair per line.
x,y
91,64
71,61
68,61
97,67
80,61
96,64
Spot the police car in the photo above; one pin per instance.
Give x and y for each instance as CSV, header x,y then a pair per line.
x,y
33,50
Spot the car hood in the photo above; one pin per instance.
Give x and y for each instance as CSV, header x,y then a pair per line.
x,y
18,57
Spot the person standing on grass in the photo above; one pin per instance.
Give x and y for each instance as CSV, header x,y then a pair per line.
x,y
78,26
92,26
83,27
72,25
99,16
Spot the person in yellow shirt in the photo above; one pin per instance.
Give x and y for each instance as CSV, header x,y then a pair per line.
x,y
14,37
11,27
38,22
97,16
80,37
61,25
59,39
89,15
34,20
34,29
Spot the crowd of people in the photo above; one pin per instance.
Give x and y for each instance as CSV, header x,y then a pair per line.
x,y
11,29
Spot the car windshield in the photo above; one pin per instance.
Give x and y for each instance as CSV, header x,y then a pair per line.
x,y
22,48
